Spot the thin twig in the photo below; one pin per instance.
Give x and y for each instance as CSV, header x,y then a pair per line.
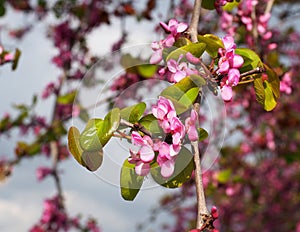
x,y
136,127
269,6
257,70
193,28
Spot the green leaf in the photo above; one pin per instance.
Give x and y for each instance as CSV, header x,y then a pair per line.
x,y
147,70
74,144
196,49
274,81
92,159
16,59
130,63
208,4
184,93
213,43
130,182
133,113
110,124
231,5
150,123
251,59
90,138
67,98
181,41
267,91
184,167
224,176
203,134
270,101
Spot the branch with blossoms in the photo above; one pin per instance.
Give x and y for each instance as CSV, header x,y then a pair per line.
x,y
159,138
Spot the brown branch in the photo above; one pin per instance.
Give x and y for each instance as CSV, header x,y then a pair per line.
x,y
135,126
201,203
193,28
257,70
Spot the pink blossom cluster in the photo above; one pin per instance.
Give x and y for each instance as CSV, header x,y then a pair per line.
x,y
261,20
175,71
286,83
55,218
258,24
229,63
174,29
43,172
168,149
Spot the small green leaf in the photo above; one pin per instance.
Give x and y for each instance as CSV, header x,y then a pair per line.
x,y
90,138
130,63
182,41
130,182
111,122
224,176
184,93
274,81
267,91
150,123
270,102
196,49
213,43
208,4
92,159
147,70
184,167
16,59
74,144
203,134
251,59
133,113
67,98
231,5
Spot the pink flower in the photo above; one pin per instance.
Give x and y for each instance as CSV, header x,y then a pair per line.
x,y
229,63
178,70
286,83
214,212
174,27
166,159
177,130
164,110
141,168
226,93
190,125
144,156
157,47
42,172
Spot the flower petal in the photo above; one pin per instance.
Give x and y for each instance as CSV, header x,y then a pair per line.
x,y
167,168
142,169
226,93
146,154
